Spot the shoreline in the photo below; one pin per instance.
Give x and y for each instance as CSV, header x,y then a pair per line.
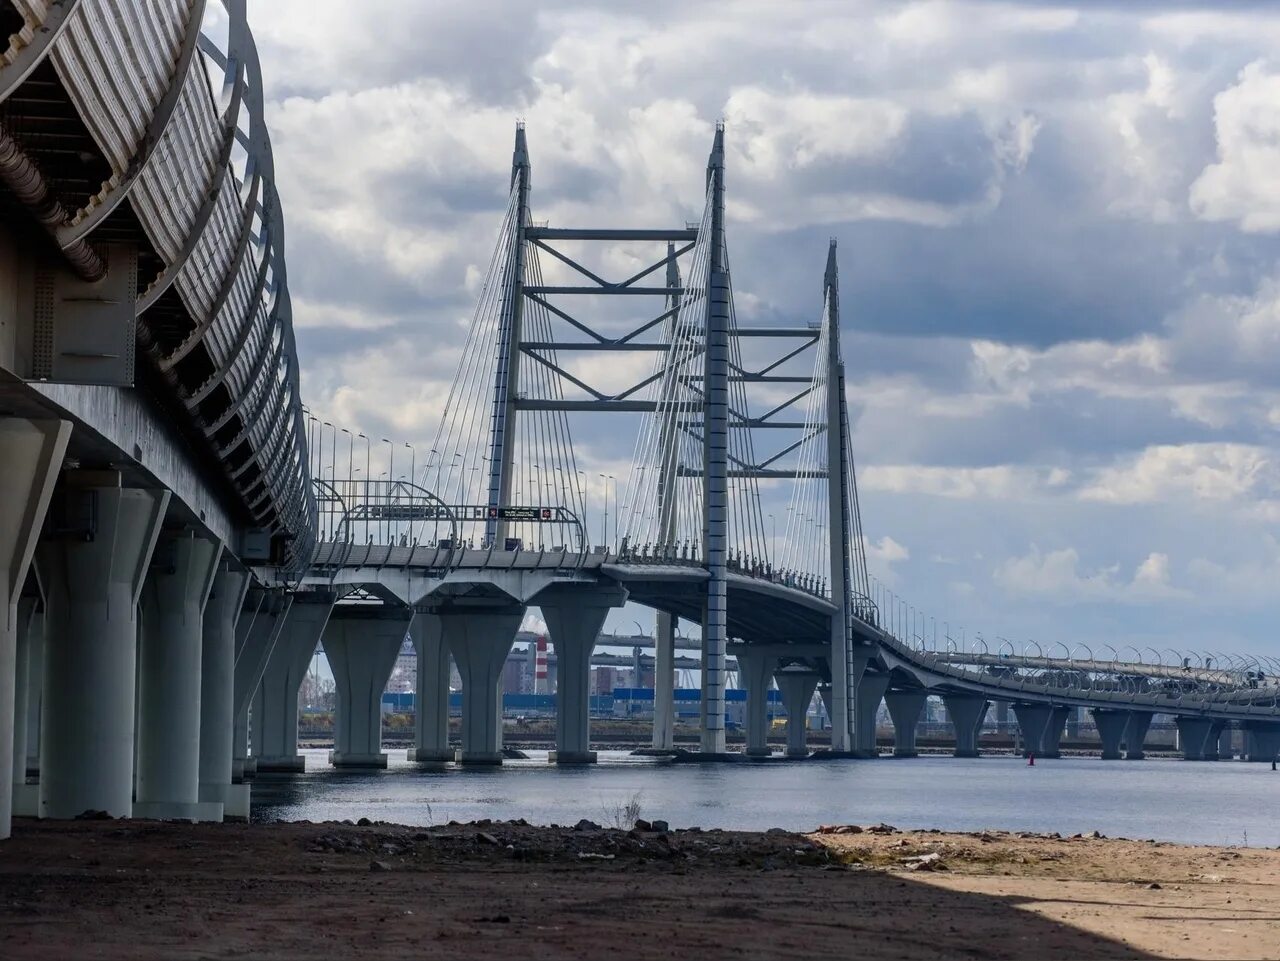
x,y
485,889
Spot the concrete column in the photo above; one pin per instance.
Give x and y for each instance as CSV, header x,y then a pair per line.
x,y
431,700
755,674
169,660
573,623
31,453
261,622
362,651
26,797
1111,727
92,577
905,708
1135,733
480,640
1226,750
797,685
1002,717
35,694
871,688
217,693
1198,738
664,683
966,713
1261,741
1051,743
275,727
1033,724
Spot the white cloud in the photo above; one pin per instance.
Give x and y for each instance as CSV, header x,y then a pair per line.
x,y
1211,472
1056,576
1243,185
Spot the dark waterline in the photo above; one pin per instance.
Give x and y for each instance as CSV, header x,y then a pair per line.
x,y
1224,802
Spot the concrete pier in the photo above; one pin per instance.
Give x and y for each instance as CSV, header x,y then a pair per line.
x,y
966,713
31,453
361,652
1111,726
664,682
1225,746
1135,735
30,622
274,723
755,676
262,620
1261,741
870,692
574,619
480,641
431,701
797,685
217,692
1041,728
177,586
1050,745
92,581
1197,738
905,708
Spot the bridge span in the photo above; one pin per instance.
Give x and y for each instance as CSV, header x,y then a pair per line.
x,y
178,533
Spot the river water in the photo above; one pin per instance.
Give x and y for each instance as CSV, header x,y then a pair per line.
x,y
1224,802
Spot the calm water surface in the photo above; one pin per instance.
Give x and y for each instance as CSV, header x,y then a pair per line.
x,y
1186,801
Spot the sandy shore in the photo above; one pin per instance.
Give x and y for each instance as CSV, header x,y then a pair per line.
x,y
104,889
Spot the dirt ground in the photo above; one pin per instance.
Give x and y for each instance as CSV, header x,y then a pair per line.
x,y
103,889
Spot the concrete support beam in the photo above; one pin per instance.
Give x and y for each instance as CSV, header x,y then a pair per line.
x,y
361,652
1035,722
573,621
1261,741
755,674
905,708
1135,735
480,640
1111,726
431,700
92,583
797,685
31,455
1226,749
1050,745
169,679
870,692
26,797
966,713
1197,738
217,694
274,725
664,682
261,622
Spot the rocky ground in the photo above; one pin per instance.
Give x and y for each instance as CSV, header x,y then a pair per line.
x,y
106,889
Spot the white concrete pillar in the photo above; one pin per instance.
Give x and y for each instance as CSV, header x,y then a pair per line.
x,y
664,682
480,640
169,658
1111,726
362,651
574,620
755,675
966,713
797,685
431,698
275,707
31,455
870,692
261,622
26,797
92,583
217,693
905,708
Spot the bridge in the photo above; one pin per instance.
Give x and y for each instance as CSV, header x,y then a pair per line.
x,y
178,532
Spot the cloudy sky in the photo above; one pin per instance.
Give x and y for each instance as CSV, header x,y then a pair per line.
x,y
1059,233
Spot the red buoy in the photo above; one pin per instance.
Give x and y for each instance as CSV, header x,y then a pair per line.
x,y
1031,760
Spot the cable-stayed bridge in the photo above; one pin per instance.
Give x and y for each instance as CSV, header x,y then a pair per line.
x,y
178,533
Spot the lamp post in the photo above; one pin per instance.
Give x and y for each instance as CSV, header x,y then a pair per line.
x,y
604,518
